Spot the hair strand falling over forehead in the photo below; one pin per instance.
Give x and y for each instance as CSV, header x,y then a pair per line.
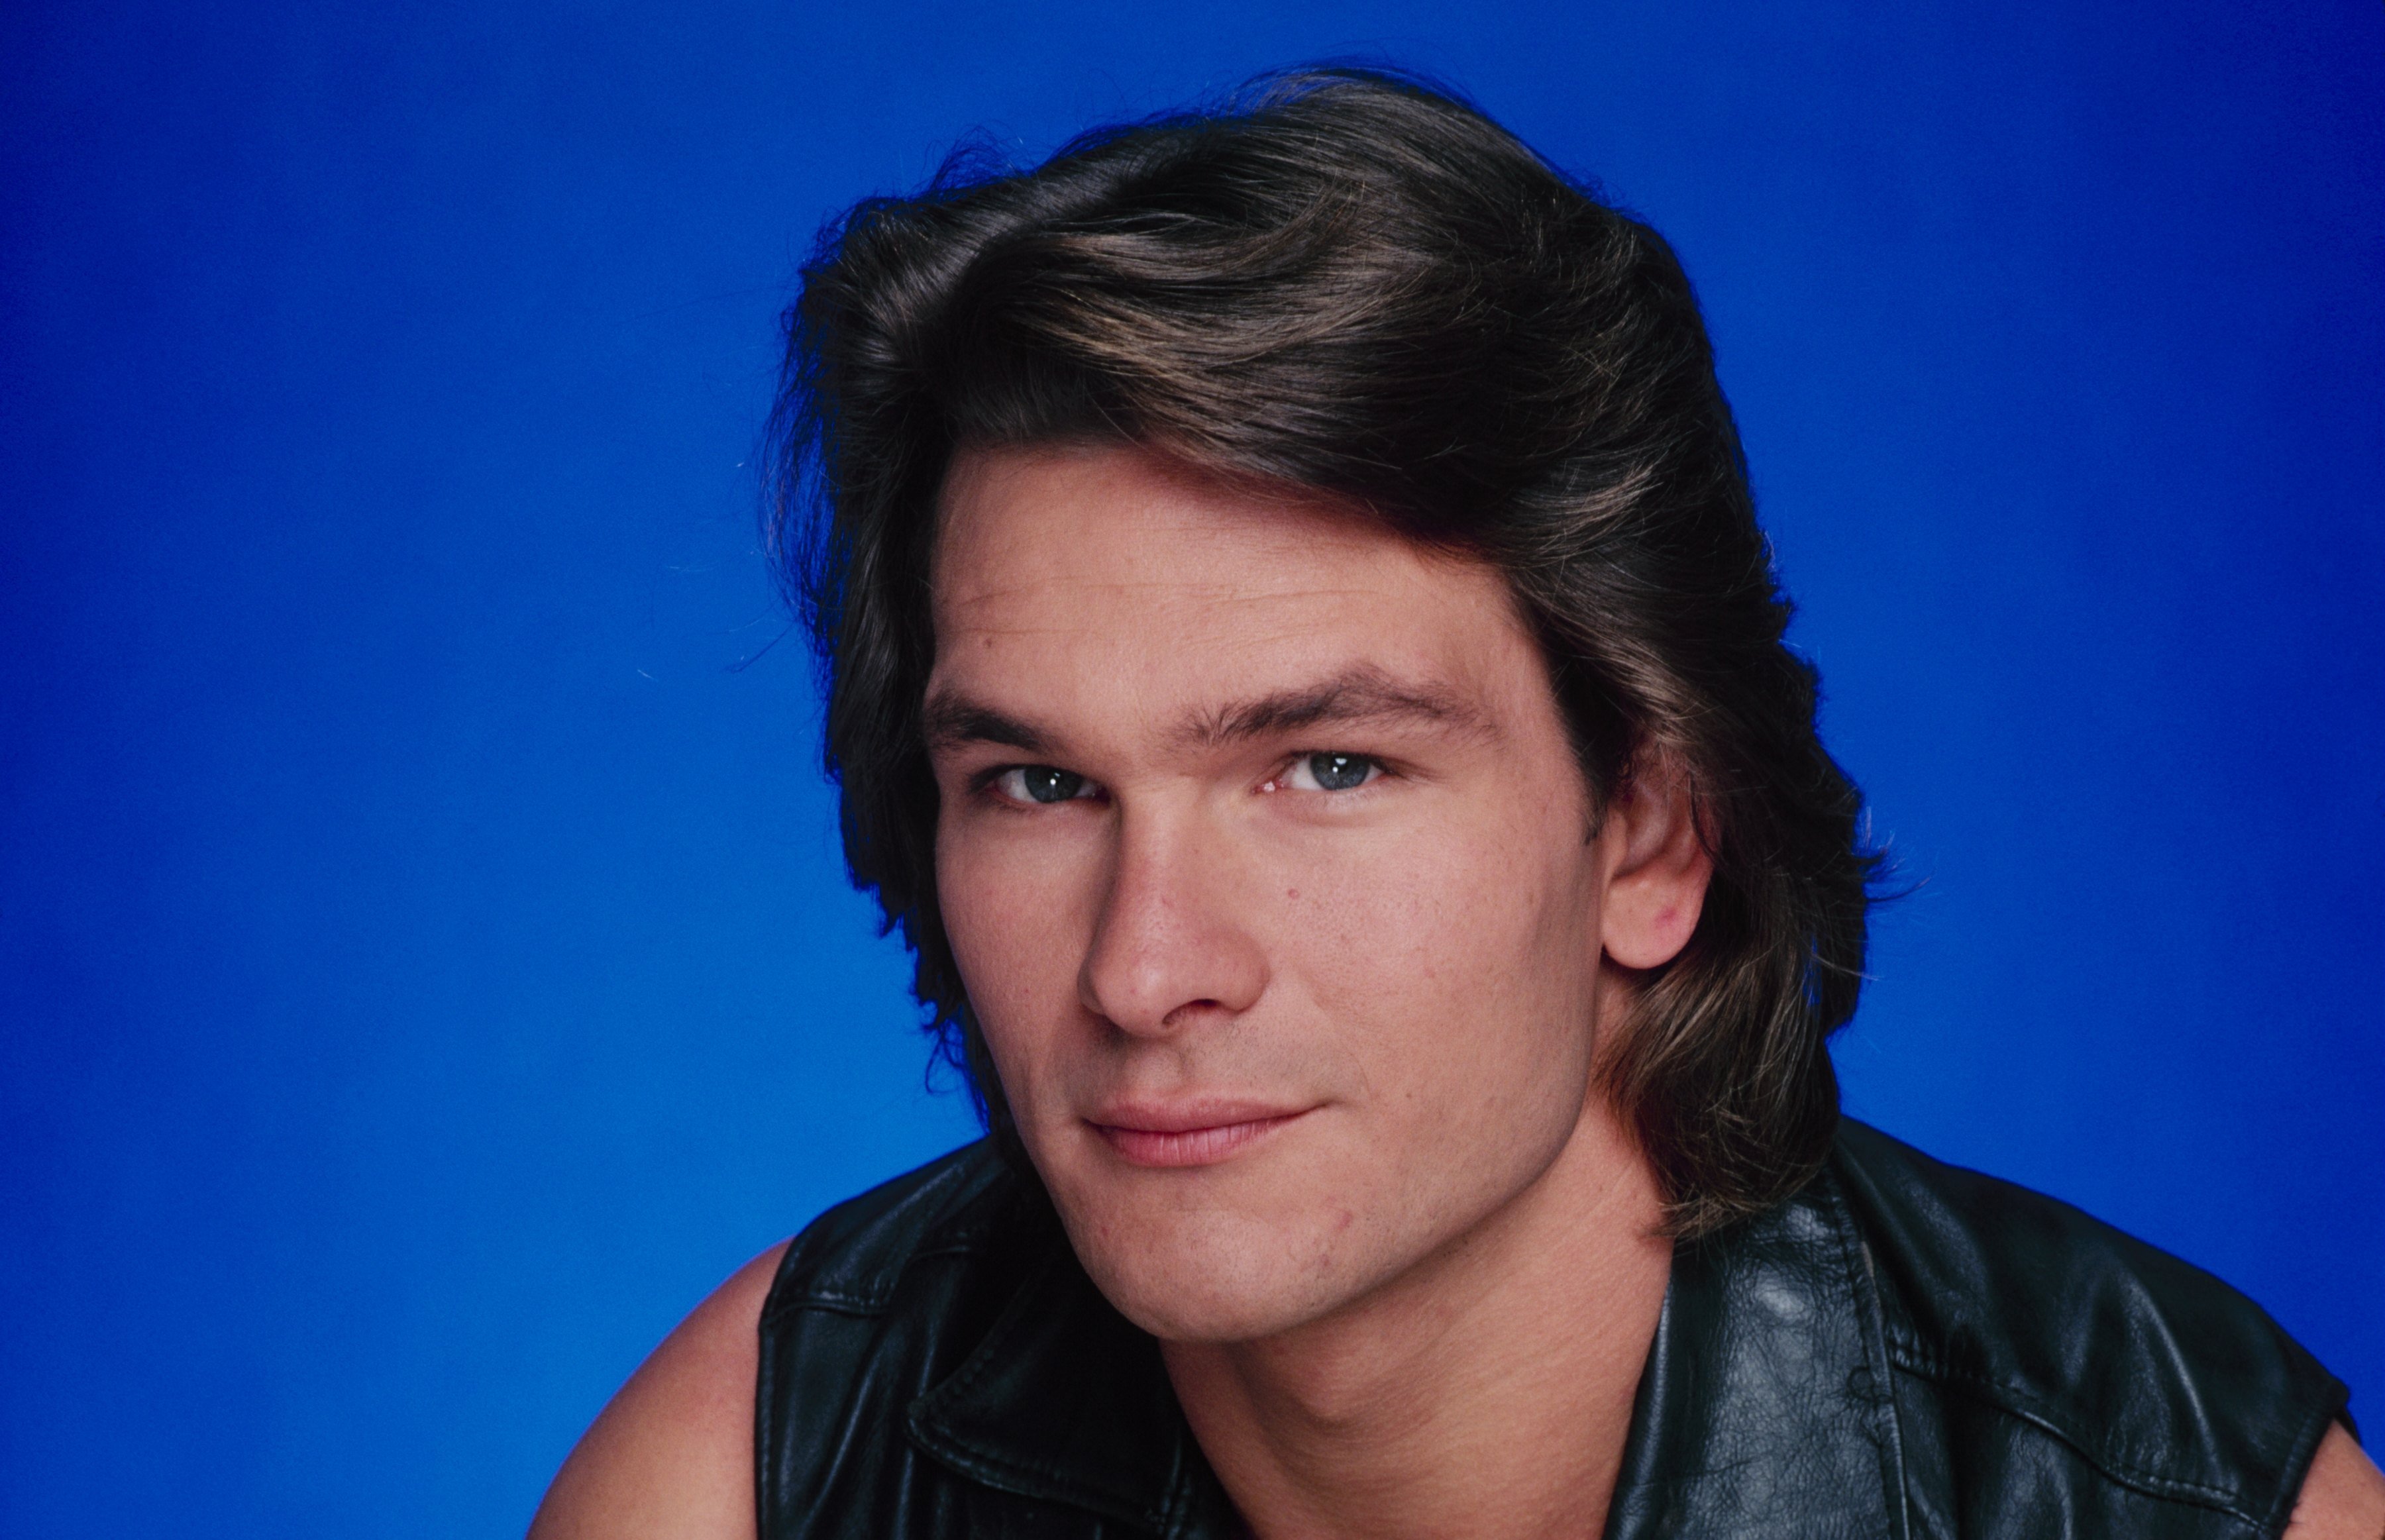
x,y
1352,282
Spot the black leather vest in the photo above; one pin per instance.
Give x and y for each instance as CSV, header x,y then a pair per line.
x,y
1903,1349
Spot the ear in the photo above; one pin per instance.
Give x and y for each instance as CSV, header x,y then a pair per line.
x,y
1658,865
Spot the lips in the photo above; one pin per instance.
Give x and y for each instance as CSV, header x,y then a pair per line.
x,y
1189,1134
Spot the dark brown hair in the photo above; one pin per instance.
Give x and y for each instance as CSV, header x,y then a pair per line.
x,y
1353,281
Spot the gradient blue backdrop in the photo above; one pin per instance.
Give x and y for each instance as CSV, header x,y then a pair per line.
x,y
424,964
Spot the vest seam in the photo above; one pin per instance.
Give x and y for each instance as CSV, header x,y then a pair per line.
x,y
954,1229
1177,1502
2023,1407
856,1307
1864,1283
872,1298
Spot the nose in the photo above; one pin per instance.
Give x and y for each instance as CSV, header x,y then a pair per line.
x,y
1172,946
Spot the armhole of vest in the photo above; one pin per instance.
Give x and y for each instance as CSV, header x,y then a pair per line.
x,y
1911,1353
766,1369
795,1292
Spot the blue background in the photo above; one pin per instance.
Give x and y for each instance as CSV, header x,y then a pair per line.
x,y
424,967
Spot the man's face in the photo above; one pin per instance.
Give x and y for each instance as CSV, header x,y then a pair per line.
x,y
1267,864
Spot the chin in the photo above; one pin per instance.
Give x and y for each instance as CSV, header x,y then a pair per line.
x,y
1210,1276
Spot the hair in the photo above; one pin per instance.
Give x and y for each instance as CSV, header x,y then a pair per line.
x,y
1354,282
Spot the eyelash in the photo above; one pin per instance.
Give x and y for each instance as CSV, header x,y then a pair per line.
x,y
991,783
1370,771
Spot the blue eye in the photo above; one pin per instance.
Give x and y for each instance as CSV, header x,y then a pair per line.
x,y
1042,783
1332,772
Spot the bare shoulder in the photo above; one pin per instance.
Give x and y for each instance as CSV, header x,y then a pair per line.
x,y
672,1457
2344,1497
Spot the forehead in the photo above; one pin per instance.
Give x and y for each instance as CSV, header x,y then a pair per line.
x,y
1081,570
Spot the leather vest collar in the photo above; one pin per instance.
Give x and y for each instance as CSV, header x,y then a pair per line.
x,y
1067,1401
1766,1395
1766,1406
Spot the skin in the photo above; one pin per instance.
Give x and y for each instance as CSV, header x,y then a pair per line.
x,y
1308,1067
1309,1072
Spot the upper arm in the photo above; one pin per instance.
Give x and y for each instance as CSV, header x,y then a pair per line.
x,y
672,1457
2344,1497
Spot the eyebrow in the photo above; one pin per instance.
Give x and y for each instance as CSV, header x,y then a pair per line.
x,y
949,722
1361,695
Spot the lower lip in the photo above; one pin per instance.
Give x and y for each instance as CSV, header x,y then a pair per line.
x,y
1190,1146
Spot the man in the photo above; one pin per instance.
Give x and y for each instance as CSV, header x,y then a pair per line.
x,y
1307,680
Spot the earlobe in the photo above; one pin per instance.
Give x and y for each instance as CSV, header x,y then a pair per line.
x,y
1656,886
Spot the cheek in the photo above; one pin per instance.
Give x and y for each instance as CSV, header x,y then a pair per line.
x,y
1466,972
1019,916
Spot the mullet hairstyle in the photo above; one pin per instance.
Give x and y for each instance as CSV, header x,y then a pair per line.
x,y
1351,281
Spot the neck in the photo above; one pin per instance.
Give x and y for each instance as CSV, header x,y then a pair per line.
x,y
1486,1390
